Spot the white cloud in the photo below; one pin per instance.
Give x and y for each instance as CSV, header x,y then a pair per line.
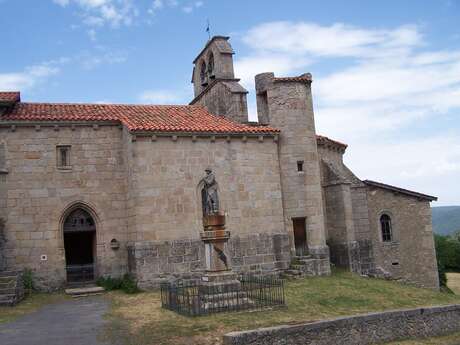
x,y
92,35
247,67
335,40
30,77
186,6
35,75
157,4
89,60
389,82
192,6
187,9
160,97
104,12
427,164
62,3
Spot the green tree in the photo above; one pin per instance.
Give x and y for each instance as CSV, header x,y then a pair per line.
x,y
448,252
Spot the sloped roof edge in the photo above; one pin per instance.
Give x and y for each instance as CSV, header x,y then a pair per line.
x,y
400,190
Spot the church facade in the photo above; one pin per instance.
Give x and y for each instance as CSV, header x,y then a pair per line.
x,y
89,190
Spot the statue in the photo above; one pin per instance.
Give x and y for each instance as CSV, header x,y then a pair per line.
x,y
209,194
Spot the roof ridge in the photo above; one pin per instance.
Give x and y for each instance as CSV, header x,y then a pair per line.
x,y
112,104
400,190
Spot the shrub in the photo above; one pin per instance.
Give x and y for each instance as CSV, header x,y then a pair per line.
x,y
127,284
448,252
442,274
28,280
109,283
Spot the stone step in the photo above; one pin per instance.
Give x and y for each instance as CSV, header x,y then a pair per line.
x,y
303,257
8,279
7,284
225,296
296,267
8,299
245,302
85,291
9,274
7,291
293,272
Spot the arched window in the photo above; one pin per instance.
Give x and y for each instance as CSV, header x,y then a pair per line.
x,y
385,225
203,73
211,65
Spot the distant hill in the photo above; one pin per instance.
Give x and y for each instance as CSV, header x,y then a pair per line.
x,y
446,219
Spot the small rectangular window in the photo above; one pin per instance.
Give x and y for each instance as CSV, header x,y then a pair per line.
x,y
63,156
299,166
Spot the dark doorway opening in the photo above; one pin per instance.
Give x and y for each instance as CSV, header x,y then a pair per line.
x,y
300,236
80,246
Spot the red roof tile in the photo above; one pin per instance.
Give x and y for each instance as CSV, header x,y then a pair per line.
x,y
158,118
10,97
303,78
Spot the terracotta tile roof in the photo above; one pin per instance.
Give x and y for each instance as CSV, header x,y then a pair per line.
x,y
158,118
400,190
10,97
303,78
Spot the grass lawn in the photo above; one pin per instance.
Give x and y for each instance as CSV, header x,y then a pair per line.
x,y
140,320
453,339
30,304
453,282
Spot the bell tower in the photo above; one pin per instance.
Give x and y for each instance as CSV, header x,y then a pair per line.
x,y
214,83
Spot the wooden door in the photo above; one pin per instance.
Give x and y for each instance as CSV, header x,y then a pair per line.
x,y
300,236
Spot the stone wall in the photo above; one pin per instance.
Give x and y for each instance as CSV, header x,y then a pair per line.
x,y
362,228
38,195
153,262
410,256
3,203
164,203
360,330
340,225
165,173
225,98
289,108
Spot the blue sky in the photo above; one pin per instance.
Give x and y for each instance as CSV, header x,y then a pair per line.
x,y
386,73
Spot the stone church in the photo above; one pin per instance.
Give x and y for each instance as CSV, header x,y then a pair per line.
x,y
89,190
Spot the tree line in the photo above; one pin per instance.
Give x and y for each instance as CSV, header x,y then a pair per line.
x,y
448,254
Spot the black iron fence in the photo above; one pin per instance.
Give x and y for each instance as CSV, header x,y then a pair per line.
x,y
248,293
80,273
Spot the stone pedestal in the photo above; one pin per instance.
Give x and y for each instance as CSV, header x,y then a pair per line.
x,y
215,238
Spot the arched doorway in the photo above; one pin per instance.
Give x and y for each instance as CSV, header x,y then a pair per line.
x,y
80,246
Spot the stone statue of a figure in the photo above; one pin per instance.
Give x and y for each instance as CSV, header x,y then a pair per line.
x,y
209,194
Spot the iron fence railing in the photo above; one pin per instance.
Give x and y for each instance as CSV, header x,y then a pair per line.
x,y
80,273
248,293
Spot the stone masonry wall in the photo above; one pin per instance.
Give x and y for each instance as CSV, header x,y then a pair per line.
x,y
290,109
38,194
165,202
362,228
153,262
411,255
220,100
373,328
3,194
